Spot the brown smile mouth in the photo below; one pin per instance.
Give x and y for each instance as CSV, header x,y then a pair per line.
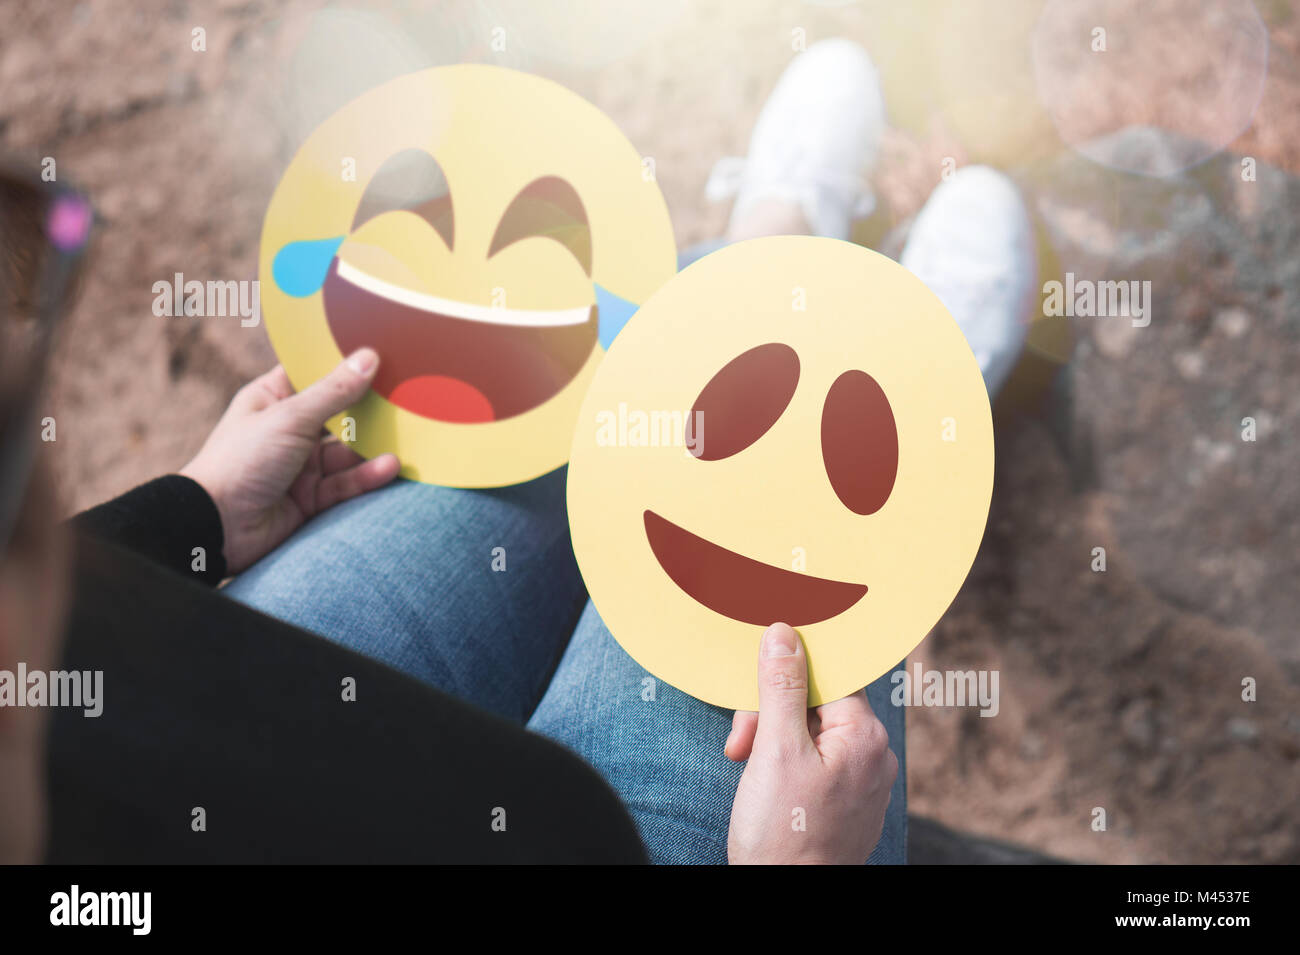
x,y
740,587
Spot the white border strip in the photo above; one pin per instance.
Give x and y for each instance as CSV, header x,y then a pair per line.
x,y
490,314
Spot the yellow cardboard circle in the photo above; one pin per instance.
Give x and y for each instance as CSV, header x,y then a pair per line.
x,y
753,525
492,132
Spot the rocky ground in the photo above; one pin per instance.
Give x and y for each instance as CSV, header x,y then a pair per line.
x,y
1121,689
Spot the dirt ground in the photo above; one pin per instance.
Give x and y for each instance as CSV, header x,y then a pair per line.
x,y
1120,689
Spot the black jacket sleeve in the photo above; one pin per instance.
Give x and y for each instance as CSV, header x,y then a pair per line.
x,y
164,521
206,702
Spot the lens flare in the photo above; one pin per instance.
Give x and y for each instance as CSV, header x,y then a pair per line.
x,y
1121,91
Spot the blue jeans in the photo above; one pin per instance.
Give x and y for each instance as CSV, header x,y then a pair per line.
x,y
405,574
477,592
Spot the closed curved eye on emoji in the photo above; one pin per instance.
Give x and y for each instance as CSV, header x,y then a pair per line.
x,y
830,467
488,233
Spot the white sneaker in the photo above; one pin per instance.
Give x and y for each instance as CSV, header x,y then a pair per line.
x,y
814,142
973,245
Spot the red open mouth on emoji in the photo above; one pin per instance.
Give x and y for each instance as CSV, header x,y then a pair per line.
x,y
450,361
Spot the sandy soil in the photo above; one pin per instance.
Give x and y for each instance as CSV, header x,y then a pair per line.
x,y
1119,689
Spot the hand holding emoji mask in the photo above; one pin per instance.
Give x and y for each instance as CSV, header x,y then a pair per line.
x,y
487,232
792,429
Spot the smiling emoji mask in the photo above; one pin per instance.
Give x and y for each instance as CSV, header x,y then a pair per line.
x,y
792,429
487,232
